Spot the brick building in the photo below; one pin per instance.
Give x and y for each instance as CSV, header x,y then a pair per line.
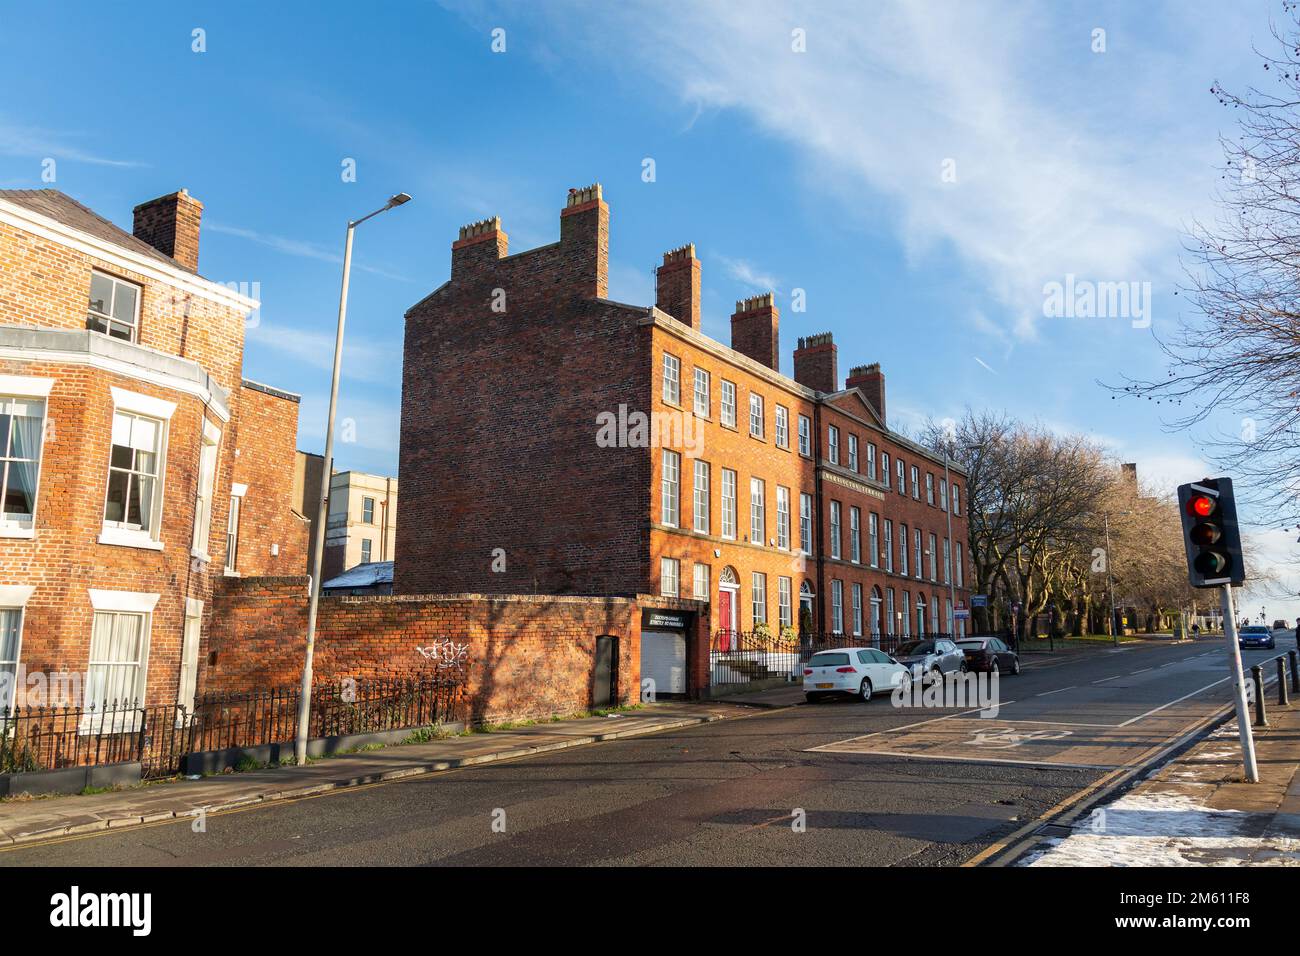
x,y
556,441
137,466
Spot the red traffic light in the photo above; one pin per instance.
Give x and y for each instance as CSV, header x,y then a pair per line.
x,y
1201,506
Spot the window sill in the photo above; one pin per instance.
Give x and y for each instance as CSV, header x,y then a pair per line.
x,y
230,573
201,555
17,532
127,538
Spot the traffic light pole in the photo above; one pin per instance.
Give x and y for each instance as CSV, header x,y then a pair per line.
x,y
1239,686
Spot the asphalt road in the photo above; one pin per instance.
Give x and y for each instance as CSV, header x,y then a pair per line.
x,y
729,793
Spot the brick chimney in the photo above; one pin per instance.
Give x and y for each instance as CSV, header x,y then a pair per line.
x,y
754,330
584,241
871,380
171,225
677,286
480,245
816,363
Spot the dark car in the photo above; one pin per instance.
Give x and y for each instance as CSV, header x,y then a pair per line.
x,y
930,658
1256,635
989,654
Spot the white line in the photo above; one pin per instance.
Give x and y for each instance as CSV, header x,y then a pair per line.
x,y
919,723
1031,763
1049,693
1172,702
1104,679
1142,671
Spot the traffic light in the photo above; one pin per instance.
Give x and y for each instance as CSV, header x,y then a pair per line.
x,y
1210,534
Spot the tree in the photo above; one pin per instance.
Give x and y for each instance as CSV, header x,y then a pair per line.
x,y
1240,354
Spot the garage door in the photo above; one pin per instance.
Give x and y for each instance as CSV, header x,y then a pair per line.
x,y
663,660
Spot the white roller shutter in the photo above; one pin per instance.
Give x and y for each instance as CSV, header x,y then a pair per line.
x,y
663,660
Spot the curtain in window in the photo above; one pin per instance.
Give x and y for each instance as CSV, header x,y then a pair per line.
x,y
26,419
115,652
10,621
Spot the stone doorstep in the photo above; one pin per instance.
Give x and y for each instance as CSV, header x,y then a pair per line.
x,y
138,812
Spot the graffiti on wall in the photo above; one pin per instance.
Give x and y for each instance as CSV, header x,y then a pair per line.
x,y
446,653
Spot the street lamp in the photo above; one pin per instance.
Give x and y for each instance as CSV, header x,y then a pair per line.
x,y
304,702
1110,583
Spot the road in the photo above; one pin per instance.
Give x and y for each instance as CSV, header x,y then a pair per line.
x,y
873,783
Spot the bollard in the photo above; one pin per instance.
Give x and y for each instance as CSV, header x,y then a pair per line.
x,y
1294,660
1281,682
1257,675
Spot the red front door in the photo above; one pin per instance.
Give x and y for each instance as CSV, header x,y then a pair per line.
x,y
725,624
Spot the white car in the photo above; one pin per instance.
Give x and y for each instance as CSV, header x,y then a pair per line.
x,y
861,671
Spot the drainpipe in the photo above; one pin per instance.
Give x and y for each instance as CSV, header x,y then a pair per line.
x,y
818,605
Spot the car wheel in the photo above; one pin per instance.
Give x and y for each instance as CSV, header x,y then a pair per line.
x,y
905,684
936,675
962,667
864,691
1015,665
994,668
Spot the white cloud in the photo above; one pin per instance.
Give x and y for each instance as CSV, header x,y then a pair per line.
x,y
1051,177
39,143
747,274
364,358
297,247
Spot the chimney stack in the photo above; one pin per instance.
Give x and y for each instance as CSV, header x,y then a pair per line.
x,y
171,225
480,245
1129,475
816,363
584,240
677,286
871,380
754,330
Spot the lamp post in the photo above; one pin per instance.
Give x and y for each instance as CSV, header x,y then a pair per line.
x,y
322,515
1110,583
947,507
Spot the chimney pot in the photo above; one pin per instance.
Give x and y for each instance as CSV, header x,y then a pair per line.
x,y
816,363
755,330
871,380
677,285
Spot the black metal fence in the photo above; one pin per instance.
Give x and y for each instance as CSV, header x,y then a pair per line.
x,y
742,657
50,738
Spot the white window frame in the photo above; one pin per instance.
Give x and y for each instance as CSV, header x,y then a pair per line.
x,y
855,535
888,546
701,397
700,581
805,436
916,483
781,427
30,389
929,489
805,522
133,603
670,481
918,564
727,404
947,561
956,498
873,535
758,598
367,503
161,411
729,515
961,572
191,635
903,544
835,529
783,518
853,452
109,320
205,490
857,609
756,415
13,597
672,379
757,511
902,476
837,606
367,550
934,557
885,476
700,517
943,493
784,609
237,494
669,576
833,444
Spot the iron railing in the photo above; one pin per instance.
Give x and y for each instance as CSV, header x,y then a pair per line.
x,y
160,736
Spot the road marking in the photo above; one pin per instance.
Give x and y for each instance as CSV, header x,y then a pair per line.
x,y
1050,765
919,723
1049,693
1104,679
1142,671
1157,710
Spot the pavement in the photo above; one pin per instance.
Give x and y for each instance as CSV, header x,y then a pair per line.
x,y
23,820
1196,810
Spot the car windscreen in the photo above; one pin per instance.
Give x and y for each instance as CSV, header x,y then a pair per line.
x,y
828,660
915,647
970,645
1255,629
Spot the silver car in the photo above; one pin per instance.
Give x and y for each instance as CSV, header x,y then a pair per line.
x,y
931,657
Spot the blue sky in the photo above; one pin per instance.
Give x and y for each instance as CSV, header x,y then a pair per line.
x,y
819,170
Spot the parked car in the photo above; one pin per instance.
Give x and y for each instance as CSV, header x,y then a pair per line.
x,y
931,657
989,654
1256,635
860,671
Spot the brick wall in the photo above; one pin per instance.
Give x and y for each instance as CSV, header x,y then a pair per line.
x,y
264,433
527,656
508,363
